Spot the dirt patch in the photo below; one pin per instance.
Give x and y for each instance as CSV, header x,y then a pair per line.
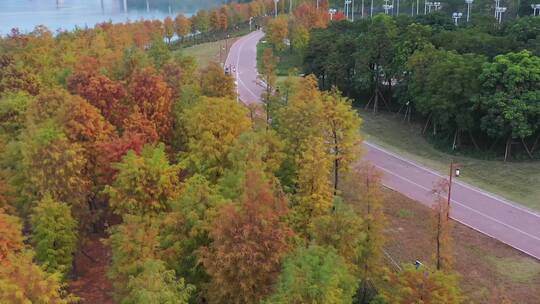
x,y
91,283
488,268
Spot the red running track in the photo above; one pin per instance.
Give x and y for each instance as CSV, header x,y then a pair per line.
x,y
489,214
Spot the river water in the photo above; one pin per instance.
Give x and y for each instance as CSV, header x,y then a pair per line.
x,y
68,14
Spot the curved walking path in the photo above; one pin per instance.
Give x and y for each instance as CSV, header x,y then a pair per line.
x,y
489,214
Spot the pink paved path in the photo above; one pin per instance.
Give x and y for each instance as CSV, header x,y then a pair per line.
x,y
498,218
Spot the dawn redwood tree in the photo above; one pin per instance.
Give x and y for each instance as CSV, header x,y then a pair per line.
x,y
11,238
215,83
314,275
313,195
186,229
101,92
362,190
441,226
277,30
413,285
213,126
343,134
301,120
144,183
168,28
54,235
343,230
54,165
22,281
156,284
132,243
149,92
249,243
182,26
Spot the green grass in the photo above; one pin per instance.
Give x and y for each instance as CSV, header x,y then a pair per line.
x,y
207,52
287,61
519,270
516,181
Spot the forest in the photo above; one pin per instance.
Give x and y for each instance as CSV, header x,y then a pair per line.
x,y
112,134
474,87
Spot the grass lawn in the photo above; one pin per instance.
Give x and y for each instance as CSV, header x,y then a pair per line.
x,y
287,60
209,52
516,181
488,269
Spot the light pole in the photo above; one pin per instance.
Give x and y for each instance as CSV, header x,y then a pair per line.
x,y
497,2
535,7
499,11
437,5
456,17
371,10
332,12
397,8
347,4
352,11
387,7
454,171
469,3
275,7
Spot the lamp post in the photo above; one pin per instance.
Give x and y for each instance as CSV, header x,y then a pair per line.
x,y
454,171
469,3
497,2
387,7
437,5
535,7
332,12
456,16
499,11
371,10
347,4
275,7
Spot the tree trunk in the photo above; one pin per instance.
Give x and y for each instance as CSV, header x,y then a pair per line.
x,y
526,148
507,152
427,124
473,141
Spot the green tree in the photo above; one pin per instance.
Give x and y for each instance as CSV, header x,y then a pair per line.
x,y
375,55
510,98
343,230
54,235
155,285
314,275
144,183
132,243
187,228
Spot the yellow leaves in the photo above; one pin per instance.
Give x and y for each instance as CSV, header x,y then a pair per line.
x,y
213,126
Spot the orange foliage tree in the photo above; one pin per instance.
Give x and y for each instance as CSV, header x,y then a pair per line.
x,y
249,243
150,93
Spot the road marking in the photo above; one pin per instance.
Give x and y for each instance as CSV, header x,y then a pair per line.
x,y
502,200
464,206
240,81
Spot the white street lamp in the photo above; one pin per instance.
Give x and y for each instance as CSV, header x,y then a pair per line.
x,y
497,2
456,17
437,5
499,11
387,7
332,12
469,3
347,4
535,7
